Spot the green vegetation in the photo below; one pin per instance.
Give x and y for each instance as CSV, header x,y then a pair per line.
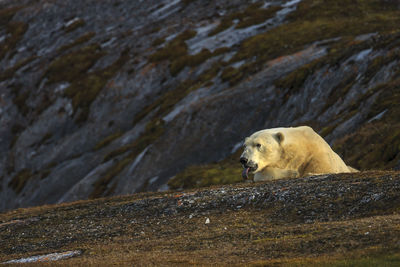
x,y
16,31
176,52
384,259
235,75
19,181
375,145
187,2
335,97
20,100
80,40
314,21
44,174
75,25
73,66
166,102
100,186
158,41
8,73
253,14
107,140
231,74
154,129
85,86
339,51
174,49
6,14
225,23
227,171
194,60
46,137
378,63
295,80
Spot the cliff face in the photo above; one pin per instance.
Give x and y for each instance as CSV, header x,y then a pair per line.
x,y
113,97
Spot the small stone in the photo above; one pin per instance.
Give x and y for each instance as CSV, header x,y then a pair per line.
x,y
207,221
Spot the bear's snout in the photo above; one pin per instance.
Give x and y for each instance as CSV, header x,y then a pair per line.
x,y
243,161
248,163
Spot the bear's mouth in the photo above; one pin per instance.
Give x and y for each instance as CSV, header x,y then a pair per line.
x,y
246,170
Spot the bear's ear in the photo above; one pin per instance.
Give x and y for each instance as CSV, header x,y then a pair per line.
x,y
279,137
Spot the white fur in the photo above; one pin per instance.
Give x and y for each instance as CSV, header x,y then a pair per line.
x,y
290,153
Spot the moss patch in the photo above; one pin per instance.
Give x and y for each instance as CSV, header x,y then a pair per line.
x,y
15,30
75,25
295,80
6,14
73,66
168,100
9,73
376,145
107,140
174,49
154,130
158,41
231,75
20,100
194,60
253,14
80,40
19,181
100,186
84,86
337,52
314,21
378,63
227,171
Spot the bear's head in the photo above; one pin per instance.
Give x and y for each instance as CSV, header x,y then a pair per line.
x,y
262,149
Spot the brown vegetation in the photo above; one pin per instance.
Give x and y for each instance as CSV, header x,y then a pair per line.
x,y
348,219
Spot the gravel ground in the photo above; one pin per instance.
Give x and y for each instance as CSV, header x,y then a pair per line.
x,y
317,216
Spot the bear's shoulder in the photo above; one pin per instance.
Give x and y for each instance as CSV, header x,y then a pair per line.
x,y
289,131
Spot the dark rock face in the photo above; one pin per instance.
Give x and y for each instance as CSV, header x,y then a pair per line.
x,y
105,98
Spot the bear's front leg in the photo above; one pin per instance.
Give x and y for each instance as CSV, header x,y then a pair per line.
x,y
275,173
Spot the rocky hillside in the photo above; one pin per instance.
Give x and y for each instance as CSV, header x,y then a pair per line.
x,y
331,220
101,97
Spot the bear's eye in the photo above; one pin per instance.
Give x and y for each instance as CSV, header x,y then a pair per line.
x,y
258,145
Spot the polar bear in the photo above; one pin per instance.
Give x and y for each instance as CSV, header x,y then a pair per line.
x,y
289,152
